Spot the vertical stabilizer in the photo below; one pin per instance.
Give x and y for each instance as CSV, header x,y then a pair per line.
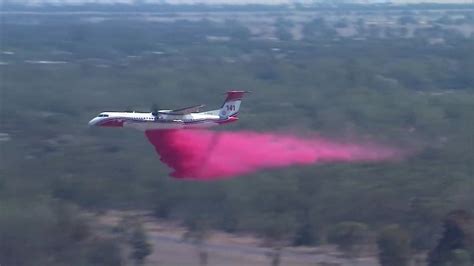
x,y
231,104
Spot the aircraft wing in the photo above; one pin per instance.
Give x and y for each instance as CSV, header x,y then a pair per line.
x,y
186,110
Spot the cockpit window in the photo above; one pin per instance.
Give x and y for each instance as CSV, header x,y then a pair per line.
x,y
102,115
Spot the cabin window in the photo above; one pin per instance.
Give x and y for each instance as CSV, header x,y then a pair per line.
x,y
102,115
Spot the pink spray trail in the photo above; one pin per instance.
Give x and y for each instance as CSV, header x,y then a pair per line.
x,y
210,155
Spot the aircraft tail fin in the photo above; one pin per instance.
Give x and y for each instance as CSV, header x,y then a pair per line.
x,y
231,105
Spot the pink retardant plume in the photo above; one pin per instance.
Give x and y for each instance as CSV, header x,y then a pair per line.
x,y
209,155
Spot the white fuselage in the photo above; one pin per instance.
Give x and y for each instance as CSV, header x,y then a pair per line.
x,y
189,117
147,121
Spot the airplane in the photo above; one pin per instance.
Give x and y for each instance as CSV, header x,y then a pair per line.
x,y
188,117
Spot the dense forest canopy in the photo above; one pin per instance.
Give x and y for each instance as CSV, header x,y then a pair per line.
x,y
408,84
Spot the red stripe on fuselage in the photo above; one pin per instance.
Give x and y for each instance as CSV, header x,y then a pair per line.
x,y
228,120
111,123
118,122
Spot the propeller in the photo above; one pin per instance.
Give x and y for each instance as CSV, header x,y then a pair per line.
x,y
154,109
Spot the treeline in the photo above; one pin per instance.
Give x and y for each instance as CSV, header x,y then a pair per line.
x,y
143,6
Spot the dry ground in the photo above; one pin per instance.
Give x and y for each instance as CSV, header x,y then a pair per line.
x,y
223,249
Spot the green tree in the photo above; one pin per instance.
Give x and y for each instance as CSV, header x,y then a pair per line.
x,y
460,257
348,235
275,255
197,233
405,20
47,232
394,246
283,29
305,235
141,248
457,238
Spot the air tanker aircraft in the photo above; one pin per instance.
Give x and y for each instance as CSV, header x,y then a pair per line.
x,y
189,117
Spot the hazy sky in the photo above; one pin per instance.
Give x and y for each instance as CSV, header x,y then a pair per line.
x,y
228,1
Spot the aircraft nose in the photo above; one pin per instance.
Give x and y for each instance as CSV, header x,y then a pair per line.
x,y
93,122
